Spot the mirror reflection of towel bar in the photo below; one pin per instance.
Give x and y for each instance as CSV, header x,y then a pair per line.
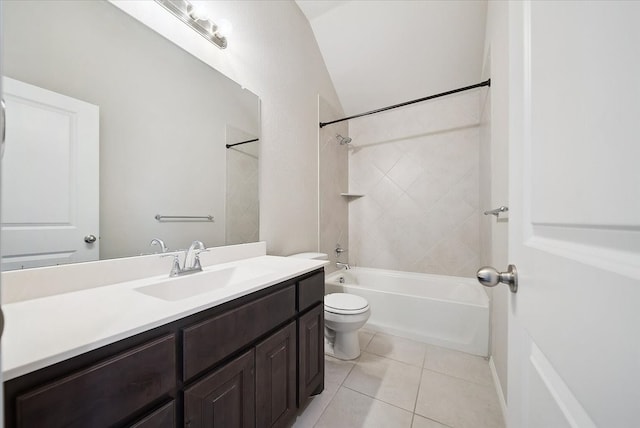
x,y
184,217
496,212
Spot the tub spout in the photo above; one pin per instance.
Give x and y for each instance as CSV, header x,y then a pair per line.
x,y
340,265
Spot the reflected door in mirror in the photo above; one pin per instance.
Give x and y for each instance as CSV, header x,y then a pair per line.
x,y
49,178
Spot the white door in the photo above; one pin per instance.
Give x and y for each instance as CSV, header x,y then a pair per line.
x,y
50,191
574,326
2,138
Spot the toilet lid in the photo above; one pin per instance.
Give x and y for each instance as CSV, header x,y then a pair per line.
x,y
345,303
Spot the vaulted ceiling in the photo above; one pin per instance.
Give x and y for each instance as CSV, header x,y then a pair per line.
x,y
383,52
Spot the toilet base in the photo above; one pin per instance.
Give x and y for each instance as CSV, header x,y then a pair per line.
x,y
342,345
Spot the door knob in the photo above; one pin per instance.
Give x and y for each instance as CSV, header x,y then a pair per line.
x,y
489,277
90,239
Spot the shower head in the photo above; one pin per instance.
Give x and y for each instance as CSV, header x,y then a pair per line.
x,y
343,140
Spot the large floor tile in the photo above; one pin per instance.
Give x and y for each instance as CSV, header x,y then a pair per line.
x,y
397,348
336,370
309,415
364,337
420,422
385,379
458,364
350,409
457,402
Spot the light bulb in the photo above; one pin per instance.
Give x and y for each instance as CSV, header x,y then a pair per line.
x,y
197,12
225,28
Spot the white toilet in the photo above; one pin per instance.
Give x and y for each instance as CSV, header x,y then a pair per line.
x,y
344,315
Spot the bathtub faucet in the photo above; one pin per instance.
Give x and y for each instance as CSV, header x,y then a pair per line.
x,y
340,265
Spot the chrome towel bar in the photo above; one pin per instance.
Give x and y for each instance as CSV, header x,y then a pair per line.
x,y
496,212
184,217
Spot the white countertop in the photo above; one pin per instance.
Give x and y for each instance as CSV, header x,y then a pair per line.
x,y
43,331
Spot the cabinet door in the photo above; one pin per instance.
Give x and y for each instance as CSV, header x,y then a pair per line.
x,y
311,354
276,378
223,399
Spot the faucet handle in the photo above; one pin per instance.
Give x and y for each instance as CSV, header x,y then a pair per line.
x,y
175,267
196,262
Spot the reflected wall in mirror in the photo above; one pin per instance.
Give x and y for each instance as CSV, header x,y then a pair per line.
x,y
164,120
242,207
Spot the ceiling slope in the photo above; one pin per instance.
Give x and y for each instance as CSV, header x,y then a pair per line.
x,y
381,52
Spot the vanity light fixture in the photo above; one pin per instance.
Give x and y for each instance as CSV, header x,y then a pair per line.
x,y
195,17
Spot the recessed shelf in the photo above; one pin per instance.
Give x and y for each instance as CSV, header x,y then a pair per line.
x,y
352,195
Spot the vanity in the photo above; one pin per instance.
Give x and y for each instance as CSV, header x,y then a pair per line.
x,y
248,351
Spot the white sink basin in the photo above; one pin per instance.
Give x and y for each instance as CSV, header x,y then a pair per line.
x,y
183,287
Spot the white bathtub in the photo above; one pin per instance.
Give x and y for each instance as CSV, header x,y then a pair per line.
x,y
447,311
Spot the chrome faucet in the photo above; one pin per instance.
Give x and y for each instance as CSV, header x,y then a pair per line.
x,y
160,243
339,264
191,260
339,250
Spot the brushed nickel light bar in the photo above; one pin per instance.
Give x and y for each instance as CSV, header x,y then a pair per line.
x,y
191,15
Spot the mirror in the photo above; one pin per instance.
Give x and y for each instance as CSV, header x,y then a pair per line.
x,y
165,119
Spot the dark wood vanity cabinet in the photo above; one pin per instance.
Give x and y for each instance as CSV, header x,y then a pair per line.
x,y
310,354
102,394
310,337
210,341
276,378
164,417
224,398
250,362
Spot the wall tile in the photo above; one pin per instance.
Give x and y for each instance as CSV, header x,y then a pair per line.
x,y
419,170
333,176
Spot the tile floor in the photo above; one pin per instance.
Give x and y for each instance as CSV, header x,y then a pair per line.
x,y
399,383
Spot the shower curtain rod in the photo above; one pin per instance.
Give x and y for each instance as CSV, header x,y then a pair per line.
x,y
430,97
242,142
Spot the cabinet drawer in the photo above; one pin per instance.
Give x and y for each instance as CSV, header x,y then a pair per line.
x,y
105,393
310,291
164,417
210,341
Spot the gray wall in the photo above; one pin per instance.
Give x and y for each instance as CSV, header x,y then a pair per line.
x,y
282,64
163,115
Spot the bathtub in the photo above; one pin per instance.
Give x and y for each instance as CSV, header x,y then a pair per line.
x,y
447,311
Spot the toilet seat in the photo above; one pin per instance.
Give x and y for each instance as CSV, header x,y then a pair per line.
x,y
345,304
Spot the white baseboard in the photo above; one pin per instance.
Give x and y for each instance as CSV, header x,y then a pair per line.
x,y
498,385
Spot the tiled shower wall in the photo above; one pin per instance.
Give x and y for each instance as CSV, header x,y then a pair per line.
x,y
242,202
418,169
333,180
